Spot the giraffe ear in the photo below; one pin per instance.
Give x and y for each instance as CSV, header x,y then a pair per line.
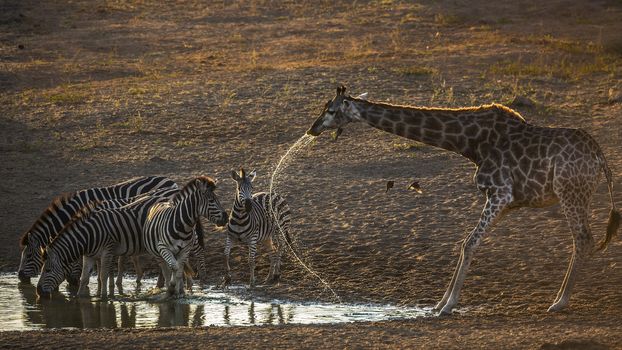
x,y
362,96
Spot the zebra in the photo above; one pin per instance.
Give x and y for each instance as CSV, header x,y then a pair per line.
x,y
64,207
97,234
255,219
169,229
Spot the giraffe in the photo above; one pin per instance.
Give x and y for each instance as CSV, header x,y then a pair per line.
x,y
517,165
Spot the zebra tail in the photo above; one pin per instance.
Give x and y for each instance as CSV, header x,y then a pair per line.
x,y
614,214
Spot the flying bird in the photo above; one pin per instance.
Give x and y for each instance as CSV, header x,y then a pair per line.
x,y
414,186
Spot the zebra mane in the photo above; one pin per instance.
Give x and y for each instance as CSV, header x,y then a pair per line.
x,y
57,203
80,216
191,185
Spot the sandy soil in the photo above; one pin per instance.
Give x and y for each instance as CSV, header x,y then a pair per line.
x,y
94,93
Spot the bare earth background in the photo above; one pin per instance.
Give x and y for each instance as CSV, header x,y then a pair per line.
x,y
95,92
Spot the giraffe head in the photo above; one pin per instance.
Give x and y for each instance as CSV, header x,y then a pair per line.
x,y
336,114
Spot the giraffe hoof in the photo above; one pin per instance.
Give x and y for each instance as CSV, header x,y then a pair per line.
x,y
558,306
445,311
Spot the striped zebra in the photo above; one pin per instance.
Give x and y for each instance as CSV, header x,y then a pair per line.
x,y
97,235
169,230
63,208
254,221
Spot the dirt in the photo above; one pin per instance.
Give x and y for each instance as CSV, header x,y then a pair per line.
x,y
95,93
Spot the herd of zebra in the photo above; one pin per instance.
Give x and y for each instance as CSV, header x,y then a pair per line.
x,y
149,216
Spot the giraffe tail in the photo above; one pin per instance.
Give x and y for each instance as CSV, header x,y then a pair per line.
x,y
614,214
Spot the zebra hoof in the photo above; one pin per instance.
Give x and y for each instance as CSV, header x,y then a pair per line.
x,y
226,281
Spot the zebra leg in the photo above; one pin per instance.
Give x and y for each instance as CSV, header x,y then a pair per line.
x,y
198,253
268,243
227,277
139,269
120,268
106,261
87,266
111,279
164,278
161,279
182,263
277,263
171,262
252,253
98,265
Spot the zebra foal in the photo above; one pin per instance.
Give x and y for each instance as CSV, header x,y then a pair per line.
x,y
256,218
169,229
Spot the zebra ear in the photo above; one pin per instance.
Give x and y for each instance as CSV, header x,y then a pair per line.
x,y
252,175
235,176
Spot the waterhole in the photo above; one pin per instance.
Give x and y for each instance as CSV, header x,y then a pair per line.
x,y
204,307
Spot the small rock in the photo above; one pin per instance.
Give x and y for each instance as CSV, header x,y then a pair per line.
x,y
157,159
20,46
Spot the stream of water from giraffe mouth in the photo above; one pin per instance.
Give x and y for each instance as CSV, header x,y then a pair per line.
x,y
279,170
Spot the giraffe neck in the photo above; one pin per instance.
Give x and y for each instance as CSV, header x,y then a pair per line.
x,y
458,130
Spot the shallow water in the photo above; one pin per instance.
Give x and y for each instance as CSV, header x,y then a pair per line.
x,y
137,309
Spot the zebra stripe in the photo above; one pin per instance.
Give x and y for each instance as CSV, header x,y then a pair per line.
x,y
169,229
97,234
64,207
253,221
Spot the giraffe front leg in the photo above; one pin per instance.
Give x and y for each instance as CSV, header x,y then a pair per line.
x,y
496,204
577,217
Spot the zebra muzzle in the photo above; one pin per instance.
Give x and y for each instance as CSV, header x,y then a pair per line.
x,y
43,294
22,277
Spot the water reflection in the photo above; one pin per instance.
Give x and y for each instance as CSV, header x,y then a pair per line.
x,y
21,309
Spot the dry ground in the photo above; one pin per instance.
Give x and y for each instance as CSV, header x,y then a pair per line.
x,y
92,93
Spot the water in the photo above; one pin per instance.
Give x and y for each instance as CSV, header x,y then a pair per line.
x,y
206,307
283,163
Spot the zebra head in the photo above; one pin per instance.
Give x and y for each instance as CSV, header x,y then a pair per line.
x,y
31,259
337,112
244,188
209,205
52,274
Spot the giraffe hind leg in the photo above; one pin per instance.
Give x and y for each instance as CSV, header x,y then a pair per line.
x,y
576,214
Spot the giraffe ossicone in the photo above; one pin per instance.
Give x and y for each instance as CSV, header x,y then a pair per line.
x,y
518,165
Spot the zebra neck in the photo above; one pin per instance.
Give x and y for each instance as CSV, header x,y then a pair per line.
x,y
186,216
240,218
